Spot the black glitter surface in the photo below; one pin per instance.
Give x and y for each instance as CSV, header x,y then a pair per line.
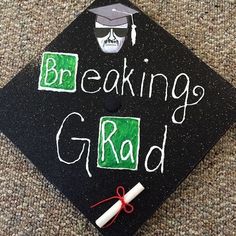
x,y
31,118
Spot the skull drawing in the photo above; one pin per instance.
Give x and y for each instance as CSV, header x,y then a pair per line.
x,y
111,39
112,26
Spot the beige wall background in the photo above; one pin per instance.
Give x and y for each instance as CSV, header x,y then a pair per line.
x,y
205,204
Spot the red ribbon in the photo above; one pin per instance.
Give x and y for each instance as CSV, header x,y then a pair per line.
x,y
128,208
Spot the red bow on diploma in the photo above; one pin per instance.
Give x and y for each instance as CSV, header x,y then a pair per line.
x,y
120,193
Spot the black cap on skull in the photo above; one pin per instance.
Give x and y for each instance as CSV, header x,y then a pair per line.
x,y
113,15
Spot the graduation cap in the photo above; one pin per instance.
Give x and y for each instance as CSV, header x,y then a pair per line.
x,y
116,15
172,109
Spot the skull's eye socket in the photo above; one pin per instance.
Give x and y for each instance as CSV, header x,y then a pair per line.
x,y
120,32
101,32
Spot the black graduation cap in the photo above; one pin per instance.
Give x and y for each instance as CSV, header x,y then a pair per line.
x,y
93,121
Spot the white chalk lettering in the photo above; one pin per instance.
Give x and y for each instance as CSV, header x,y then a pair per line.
x,y
162,151
115,83
51,69
108,139
130,152
151,84
142,84
62,73
126,79
85,141
186,94
96,77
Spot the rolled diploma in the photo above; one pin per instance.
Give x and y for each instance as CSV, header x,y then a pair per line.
x,y
113,210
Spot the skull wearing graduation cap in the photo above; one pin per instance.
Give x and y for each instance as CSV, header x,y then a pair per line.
x,y
111,26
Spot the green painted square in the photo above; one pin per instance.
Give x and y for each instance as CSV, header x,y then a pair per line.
x,y
118,143
58,72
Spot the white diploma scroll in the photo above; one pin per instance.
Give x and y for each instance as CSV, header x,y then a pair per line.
x,y
113,210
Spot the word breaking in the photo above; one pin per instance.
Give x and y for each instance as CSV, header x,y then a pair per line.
x,y
58,74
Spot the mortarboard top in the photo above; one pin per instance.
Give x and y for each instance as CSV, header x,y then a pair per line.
x,y
113,15
151,90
